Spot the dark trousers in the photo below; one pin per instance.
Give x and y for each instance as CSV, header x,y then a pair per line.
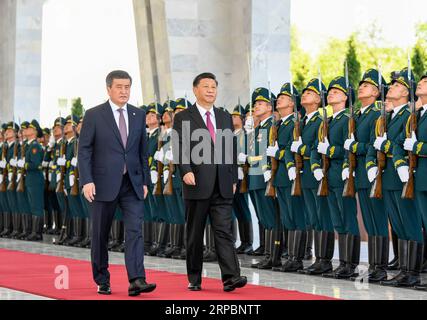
x,y
219,211
102,214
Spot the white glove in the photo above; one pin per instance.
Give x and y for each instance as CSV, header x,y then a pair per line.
x,y
296,144
51,164
292,173
49,178
13,162
379,141
159,155
71,179
154,176
322,147
349,142
61,161
240,173
409,142
3,164
241,158
372,174
45,164
165,176
1,178
51,141
403,173
318,174
21,163
345,174
58,177
18,177
271,151
249,124
169,156
267,175
10,176
74,162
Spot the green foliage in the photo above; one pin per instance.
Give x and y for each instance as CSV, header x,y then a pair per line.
x,y
77,108
354,71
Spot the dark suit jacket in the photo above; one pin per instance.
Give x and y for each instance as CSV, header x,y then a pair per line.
x,y
102,155
205,173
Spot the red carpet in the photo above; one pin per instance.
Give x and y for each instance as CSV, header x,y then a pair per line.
x,y
35,273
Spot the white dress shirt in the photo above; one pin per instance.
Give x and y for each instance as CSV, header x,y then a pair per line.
x,y
309,116
203,114
397,110
116,114
424,108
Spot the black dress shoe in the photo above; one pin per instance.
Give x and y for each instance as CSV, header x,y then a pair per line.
x,y
140,286
104,289
194,287
235,282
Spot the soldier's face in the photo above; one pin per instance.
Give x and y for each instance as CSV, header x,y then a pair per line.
x,y
336,97
310,97
57,132
283,102
9,134
397,91
422,88
237,121
68,128
262,108
119,91
206,91
166,118
151,119
367,90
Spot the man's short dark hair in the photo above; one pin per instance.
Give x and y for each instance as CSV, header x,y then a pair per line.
x,y
117,74
205,75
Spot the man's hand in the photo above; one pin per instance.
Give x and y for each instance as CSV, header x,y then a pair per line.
x,y
145,192
189,179
89,191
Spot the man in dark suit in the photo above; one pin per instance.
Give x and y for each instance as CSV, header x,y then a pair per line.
x,y
209,181
113,168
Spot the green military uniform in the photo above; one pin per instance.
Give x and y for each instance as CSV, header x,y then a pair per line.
x,y
343,210
291,207
316,208
241,199
4,207
48,209
34,182
402,213
373,210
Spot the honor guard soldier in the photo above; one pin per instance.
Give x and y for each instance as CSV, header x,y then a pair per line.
x,y
34,180
317,210
260,171
404,218
47,155
24,208
372,89
151,216
241,197
417,144
343,210
3,177
291,206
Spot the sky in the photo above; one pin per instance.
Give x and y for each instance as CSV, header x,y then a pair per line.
x,y
85,39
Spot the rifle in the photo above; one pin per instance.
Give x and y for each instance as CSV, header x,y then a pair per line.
x,y
323,189
60,184
75,188
408,187
296,189
21,182
381,129
168,189
244,184
46,171
349,185
270,190
12,183
3,186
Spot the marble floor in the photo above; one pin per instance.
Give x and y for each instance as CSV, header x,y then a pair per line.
x,y
342,289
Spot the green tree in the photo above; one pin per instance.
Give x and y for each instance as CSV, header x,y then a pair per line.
x,y
417,61
354,72
301,64
77,108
